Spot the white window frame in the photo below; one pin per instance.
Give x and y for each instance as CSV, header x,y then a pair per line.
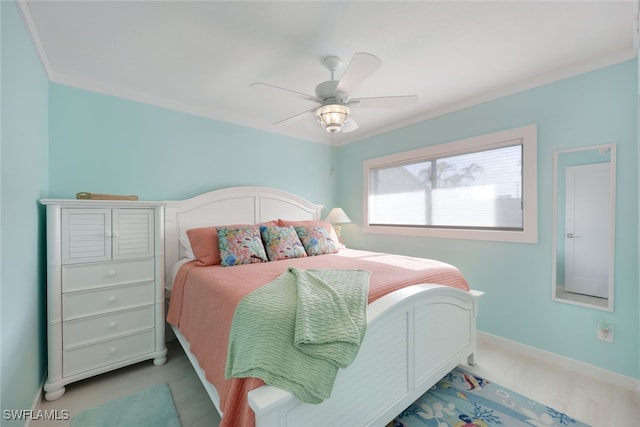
x,y
528,136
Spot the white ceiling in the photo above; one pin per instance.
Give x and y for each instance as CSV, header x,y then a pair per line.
x,y
200,57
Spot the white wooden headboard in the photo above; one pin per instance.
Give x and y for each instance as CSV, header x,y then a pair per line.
x,y
233,205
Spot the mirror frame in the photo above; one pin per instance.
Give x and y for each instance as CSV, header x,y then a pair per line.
x,y
609,306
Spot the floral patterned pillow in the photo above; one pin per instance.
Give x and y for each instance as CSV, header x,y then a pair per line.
x,y
282,243
316,240
240,246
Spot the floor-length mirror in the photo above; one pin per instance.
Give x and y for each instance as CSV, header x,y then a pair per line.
x,y
584,224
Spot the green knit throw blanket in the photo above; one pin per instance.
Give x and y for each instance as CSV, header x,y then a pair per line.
x,y
297,331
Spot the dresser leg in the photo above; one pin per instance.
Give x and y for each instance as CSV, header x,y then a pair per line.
x,y
161,357
159,361
54,393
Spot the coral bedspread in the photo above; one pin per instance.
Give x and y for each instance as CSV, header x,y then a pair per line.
x,y
204,299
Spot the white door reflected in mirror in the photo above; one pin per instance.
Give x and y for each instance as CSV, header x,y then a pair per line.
x,y
584,200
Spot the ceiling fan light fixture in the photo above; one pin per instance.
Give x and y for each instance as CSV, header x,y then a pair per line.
x,y
332,116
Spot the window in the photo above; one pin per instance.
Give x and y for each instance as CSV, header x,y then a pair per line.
x,y
477,188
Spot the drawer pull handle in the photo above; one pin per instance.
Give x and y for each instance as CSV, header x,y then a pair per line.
x,y
112,325
111,273
113,350
112,299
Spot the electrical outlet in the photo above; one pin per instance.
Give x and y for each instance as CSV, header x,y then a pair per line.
x,y
605,331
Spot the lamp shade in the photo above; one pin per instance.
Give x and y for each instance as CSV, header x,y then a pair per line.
x,y
337,216
332,116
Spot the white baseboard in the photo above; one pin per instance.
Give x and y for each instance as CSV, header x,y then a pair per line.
x,y
572,365
37,399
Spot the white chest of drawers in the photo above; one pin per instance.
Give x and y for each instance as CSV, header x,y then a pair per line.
x,y
105,288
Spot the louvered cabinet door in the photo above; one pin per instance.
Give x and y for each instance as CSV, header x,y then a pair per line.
x,y
86,235
132,233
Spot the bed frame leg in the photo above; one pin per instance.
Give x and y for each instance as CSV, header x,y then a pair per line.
x,y
471,359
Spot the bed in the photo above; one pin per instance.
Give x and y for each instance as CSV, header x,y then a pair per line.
x,y
415,333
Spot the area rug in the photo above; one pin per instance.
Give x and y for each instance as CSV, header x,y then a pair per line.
x,y
462,399
151,407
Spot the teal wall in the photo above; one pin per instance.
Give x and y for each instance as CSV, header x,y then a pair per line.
x,y
104,144
24,178
590,109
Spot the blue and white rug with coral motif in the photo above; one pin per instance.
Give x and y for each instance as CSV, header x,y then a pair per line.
x,y
462,399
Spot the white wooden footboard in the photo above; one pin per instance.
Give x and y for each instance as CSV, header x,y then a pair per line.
x,y
415,336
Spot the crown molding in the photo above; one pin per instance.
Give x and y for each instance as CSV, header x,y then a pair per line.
x,y
521,86
23,8
341,139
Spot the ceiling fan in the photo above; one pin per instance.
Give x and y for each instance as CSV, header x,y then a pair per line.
x,y
334,112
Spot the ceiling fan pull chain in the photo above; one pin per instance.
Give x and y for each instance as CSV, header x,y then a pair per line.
x,y
333,154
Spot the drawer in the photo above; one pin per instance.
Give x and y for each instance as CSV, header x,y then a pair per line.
x,y
107,325
85,358
86,276
102,300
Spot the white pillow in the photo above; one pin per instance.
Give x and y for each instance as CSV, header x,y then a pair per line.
x,y
185,247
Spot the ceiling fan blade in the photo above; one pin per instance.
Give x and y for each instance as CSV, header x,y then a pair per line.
x,y
359,69
349,126
288,92
384,101
295,117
